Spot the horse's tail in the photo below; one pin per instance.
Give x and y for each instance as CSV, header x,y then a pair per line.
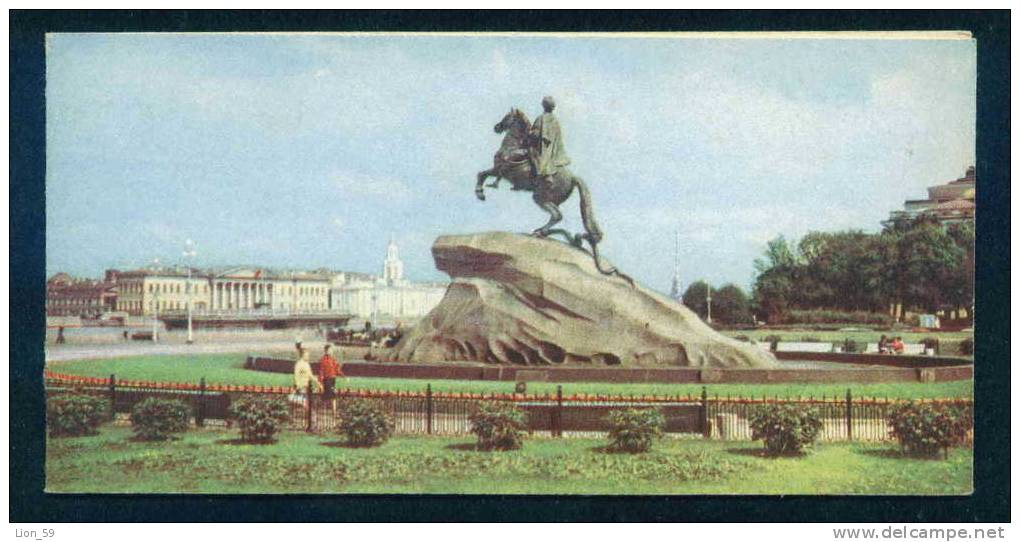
x,y
611,271
588,212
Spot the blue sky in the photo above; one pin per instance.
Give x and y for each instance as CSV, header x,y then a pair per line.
x,y
314,150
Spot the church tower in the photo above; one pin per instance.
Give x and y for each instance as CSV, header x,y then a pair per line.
x,y
393,268
676,290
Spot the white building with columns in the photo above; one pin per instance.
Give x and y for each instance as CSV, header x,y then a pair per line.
x,y
389,296
247,289
144,292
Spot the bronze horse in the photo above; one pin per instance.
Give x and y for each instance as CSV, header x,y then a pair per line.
x,y
512,163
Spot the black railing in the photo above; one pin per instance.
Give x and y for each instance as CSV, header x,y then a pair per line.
x,y
727,418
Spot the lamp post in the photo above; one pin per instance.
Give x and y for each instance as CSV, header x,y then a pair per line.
x,y
708,302
155,308
189,253
155,317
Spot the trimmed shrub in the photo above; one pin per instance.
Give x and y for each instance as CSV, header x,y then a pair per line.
x,y
499,426
785,429
259,418
850,347
773,340
967,347
810,339
76,414
634,431
925,429
366,423
158,419
931,342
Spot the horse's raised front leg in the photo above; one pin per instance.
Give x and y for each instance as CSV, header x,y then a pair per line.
x,y
555,216
480,186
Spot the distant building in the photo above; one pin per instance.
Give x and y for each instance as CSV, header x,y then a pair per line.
x,y
143,292
386,296
952,202
69,296
244,290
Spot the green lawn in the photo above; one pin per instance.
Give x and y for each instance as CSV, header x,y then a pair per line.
x,y
211,461
228,369
795,335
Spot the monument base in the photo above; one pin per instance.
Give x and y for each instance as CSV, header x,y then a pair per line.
x,y
518,299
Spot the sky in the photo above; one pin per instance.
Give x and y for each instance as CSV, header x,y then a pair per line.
x,y
314,150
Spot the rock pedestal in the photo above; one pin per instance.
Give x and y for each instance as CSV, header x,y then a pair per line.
x,y
523,300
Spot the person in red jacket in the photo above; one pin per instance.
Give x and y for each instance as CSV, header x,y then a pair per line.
x,y
329,370
897,345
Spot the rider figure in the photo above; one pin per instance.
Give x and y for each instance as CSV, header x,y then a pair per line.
x,y
547,152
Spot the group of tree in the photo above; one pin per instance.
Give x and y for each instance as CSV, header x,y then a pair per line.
x,y
730,305
917,264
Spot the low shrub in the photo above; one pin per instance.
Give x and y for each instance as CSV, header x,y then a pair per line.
x,y
158,419
499,426
259,418
924,429
634,431
773,340
850,347
931,342
967,347
365,423
785,429
810,339
76,414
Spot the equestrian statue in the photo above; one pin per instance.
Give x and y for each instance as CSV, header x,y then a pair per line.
x,y
532,157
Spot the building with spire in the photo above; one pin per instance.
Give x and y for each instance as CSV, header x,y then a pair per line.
x,y
393,268
676,290
386,297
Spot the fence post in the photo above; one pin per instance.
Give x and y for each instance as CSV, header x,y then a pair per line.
x,y
308,407
558,418
113,396
706,429
428,408
849,415
200,411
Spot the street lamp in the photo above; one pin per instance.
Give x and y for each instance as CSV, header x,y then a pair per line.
x,y
189,253
155,309
708,302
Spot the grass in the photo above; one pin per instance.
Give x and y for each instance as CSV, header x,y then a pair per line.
x,y
211,461
229,369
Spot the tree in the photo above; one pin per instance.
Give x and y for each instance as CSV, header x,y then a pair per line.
x,y
730,305
773,291
917,263
928,265
696,298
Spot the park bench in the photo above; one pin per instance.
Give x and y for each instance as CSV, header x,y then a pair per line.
x,y
803,347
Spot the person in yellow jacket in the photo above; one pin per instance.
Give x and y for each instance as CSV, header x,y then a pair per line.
x,y
303,372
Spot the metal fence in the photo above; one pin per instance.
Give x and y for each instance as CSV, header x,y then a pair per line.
x,y
726,418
